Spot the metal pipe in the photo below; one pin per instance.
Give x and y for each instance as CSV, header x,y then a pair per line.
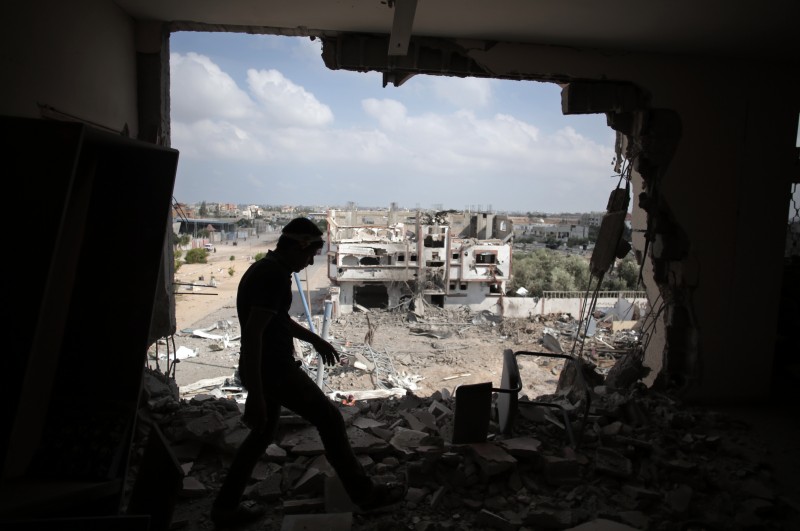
x,y
326,319
320,361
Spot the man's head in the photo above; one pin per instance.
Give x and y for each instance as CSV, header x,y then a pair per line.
x,y
299,242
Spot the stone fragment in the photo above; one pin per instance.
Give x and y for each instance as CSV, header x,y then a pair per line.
x,y
415,494
613,463
275,453
522,447
679,498
413,422
192,488
548,518
491,458
305,441
601,524
363,442
494,521
439,410
382,433
328,522
311,482
187,451
268,489
561,471
302,506
366,423
207,427
405,440
612,428
437,497
635,518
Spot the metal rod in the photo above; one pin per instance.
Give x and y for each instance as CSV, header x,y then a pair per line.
x,y
320,361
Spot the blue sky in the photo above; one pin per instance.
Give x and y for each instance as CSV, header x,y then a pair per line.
x,y
261,120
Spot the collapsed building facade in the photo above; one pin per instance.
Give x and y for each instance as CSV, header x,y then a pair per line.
x,y
705,99
381,259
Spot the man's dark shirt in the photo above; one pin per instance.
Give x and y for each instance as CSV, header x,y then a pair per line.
x,y
267,284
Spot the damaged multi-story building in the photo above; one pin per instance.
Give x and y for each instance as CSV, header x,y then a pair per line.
x,y
380,259
704,98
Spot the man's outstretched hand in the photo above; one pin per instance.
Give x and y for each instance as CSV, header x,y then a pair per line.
x,y
326,350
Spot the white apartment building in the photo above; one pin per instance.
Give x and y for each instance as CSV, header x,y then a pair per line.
x,y
380,259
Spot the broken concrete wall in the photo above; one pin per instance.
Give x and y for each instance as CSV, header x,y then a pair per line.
x,y
80,62
715,146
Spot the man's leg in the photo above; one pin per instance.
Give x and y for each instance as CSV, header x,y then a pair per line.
x,y
300,394
248,454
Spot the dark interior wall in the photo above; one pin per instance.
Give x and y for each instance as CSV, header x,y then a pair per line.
x,y
78,59
717,173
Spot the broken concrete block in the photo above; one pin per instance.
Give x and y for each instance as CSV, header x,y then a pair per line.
x,y
366,423
263,469
522,447
415,494
328,522
436,498
382,433
679,498
491,458
428,419
439,410
192,488
187,467
308,505
413,422
405,440
233,439
207,427
268,489
311,482
291,472
560,471
363,442
494,521
602,524
635,518
275,453
548,518
336,498
613,463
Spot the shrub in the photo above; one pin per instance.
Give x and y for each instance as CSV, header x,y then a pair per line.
x,y
232,258
231,271
259,256
196,256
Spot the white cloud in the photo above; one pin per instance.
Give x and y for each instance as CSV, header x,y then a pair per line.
x,y
279,140
466,93
391,114
200,89
208,139
285,103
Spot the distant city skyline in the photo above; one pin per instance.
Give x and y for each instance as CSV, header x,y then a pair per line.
x,y
260,119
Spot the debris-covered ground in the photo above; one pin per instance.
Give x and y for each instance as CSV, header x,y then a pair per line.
x,y
641,458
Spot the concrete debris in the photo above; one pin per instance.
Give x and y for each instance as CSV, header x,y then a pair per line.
x,y
643,461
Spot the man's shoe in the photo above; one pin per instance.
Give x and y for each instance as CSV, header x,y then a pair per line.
x,y
384,497
243,513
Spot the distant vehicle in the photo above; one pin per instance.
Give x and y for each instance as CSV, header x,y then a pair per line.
x,y
209,247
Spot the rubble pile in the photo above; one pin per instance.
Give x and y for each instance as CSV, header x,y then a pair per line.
x,y
641,460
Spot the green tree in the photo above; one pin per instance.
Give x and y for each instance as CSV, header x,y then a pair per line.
x,y
203,211
196,256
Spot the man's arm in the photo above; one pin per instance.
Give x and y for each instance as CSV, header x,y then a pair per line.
x,y
326,350
255,415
